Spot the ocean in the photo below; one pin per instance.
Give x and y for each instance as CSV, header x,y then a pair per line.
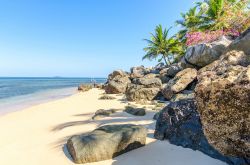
x,y
17,93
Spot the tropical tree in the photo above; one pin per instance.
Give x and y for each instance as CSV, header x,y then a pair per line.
x,y
230,16
160,45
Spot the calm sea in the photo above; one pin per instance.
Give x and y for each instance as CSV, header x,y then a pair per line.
x,y
19,93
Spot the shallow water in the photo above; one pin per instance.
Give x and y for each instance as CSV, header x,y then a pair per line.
x,y
20,93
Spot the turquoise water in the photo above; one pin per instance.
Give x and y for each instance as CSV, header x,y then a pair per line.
x,y
19,93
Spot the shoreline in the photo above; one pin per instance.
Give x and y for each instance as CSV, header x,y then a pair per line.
x,y
43,130
19,103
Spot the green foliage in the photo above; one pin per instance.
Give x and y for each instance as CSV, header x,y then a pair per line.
x,y
208,15
215,15
162,47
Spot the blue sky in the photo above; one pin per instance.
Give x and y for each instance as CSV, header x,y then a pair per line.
x,y
79,38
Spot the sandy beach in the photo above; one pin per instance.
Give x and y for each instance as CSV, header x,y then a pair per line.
x,y
37,135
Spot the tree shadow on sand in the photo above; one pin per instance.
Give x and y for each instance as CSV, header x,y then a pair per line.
x,y
118,117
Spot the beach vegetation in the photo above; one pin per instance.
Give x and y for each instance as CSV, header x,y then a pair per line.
x,y
162,47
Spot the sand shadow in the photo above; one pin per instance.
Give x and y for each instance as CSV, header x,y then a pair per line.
x,y
117,117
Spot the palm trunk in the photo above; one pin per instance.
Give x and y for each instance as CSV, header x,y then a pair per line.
x,y
169,61
165,59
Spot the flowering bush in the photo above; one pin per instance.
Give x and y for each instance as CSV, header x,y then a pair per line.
x,y
194,38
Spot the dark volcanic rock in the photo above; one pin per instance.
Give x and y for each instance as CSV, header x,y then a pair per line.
x,y
179,122
106,142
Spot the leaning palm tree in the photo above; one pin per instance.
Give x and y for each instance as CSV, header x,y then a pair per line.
x,y
161,45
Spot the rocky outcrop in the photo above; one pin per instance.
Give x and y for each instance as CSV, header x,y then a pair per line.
x,y
106,142
135,111
117,83
179,123
223,97
203,54
140,93
179,82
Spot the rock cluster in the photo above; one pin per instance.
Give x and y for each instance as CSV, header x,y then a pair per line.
x,y
215,118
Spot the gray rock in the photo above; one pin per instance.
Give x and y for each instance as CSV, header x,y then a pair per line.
x,y
106,142
148,82
117,85
135,111
101,113
84,87
172,70
183,96
107,97
241,43
203,54
179,123
140,93
179,82
138,72
115,73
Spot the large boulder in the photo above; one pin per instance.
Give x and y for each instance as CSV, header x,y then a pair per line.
x,y
138,71
148,82
179,123
117,85
205,53
140,93
106,142
223,98
179,82
242,42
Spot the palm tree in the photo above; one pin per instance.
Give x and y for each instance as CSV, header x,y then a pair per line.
x,y
160,44
189,22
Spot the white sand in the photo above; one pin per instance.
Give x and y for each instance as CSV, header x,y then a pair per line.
x,y
37,135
